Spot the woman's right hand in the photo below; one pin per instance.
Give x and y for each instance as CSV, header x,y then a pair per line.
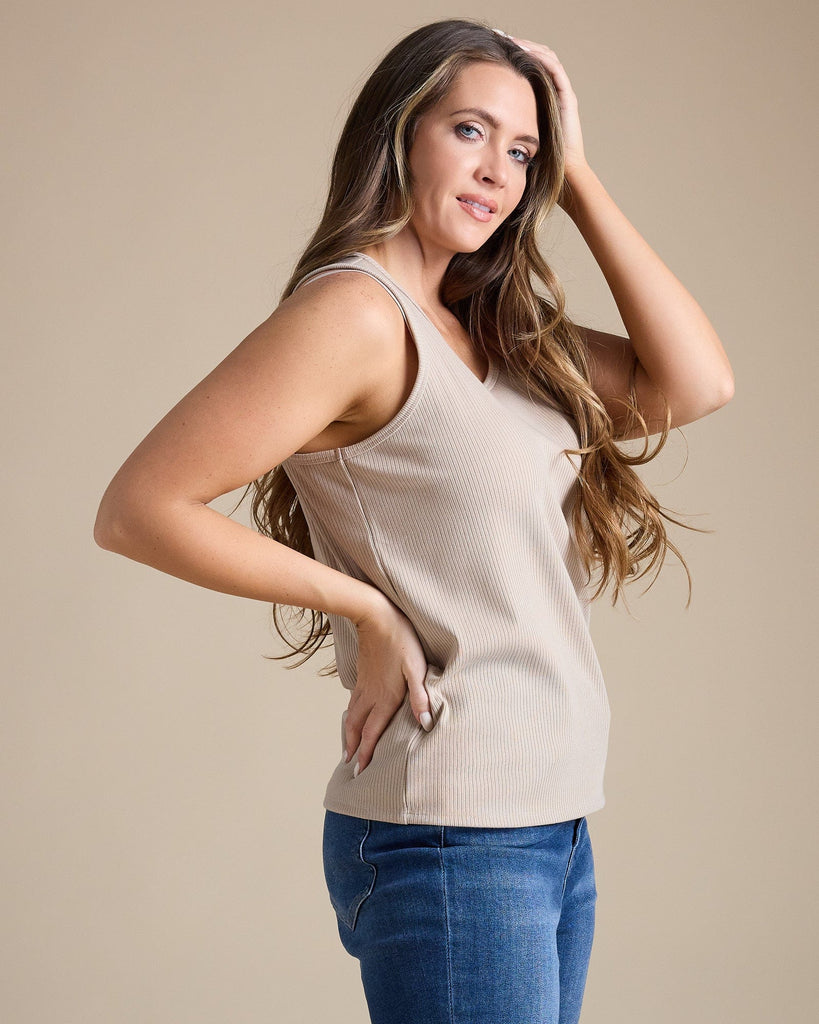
x,y
390,660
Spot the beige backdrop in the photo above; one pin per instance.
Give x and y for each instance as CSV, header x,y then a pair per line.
x,y
162,782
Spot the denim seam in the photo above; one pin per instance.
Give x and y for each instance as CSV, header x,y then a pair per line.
x,y
448,938
362,896
575,842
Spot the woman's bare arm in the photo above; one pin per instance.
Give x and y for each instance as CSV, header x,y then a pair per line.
x,y
305,367
677,349
279,388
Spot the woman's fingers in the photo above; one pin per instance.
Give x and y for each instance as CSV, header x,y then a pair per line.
x,y
419,702
391,661
365,734
365,722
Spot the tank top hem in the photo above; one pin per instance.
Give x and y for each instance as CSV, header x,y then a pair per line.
x,y
523,818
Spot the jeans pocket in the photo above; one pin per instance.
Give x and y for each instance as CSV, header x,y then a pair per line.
x,y
349,877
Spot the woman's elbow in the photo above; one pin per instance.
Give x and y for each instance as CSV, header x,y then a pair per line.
x,y
719,393
114,512
727,390
106,529
717,397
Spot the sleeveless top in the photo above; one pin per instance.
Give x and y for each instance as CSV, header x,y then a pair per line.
x,y
457,511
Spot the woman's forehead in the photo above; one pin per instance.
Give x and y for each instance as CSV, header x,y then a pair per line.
x,y
497,93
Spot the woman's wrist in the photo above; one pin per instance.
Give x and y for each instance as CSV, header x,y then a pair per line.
x,y
575,178
371,604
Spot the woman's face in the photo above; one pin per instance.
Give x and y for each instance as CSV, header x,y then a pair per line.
x,y
474,144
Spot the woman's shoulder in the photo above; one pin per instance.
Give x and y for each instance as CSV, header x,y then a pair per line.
x,y
351,304
353,340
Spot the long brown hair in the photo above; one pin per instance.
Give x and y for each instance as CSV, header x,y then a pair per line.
x,y
616,521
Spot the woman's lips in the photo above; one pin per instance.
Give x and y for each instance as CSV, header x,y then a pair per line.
x,y
476,212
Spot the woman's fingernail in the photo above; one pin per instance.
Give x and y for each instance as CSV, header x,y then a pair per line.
x,y
356,770
346,756
426,720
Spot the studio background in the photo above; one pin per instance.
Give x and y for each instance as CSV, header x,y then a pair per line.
x,y
162,782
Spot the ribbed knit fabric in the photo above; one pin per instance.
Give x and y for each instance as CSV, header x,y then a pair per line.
x,y
457,510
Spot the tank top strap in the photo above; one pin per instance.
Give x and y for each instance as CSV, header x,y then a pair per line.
x,y
429,342
359,262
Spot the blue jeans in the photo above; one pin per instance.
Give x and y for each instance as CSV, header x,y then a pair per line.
x,y
463,924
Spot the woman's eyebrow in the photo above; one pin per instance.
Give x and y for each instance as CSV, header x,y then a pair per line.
x,y
479,112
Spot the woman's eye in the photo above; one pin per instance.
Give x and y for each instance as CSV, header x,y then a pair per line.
x,y
472,128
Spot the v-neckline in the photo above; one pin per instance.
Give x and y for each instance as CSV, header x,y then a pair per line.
x,y
492,373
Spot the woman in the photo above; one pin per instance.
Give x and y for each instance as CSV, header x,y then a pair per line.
x,y
445,480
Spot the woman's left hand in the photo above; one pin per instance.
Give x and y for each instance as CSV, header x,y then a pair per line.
x,y
574,155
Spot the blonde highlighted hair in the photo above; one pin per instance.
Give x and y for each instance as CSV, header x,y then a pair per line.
x,y
617,523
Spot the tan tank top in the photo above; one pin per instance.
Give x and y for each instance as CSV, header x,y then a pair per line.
x,y
457,510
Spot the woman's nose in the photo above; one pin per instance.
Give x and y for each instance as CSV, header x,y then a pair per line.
x,y
493,167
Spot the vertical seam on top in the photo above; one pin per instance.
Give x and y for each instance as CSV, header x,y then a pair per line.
x,y
365,519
